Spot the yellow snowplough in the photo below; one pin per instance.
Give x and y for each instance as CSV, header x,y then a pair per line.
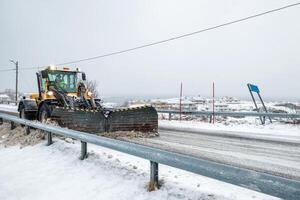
x,y
64,97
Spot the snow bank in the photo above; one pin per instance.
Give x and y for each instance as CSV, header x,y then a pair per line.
x,y
13,137
275,131
55,172
8,107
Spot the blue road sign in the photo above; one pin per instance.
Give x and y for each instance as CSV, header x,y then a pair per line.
x,y
253,88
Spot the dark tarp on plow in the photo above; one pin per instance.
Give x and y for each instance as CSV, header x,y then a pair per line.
x,y
142,119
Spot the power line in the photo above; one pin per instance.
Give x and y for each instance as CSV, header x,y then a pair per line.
x,y
169,39
181,36
23,68
28,68
3,70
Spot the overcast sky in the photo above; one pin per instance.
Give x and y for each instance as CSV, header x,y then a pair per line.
x,y
264,50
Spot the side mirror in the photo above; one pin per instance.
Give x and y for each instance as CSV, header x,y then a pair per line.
x,y
44,74
83,76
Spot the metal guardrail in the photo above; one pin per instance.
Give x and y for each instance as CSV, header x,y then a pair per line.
x,y
261,182
232,114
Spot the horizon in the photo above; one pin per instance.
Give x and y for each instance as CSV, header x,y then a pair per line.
x,y
256,51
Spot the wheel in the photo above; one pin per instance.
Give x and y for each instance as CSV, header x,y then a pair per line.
x,y
44,113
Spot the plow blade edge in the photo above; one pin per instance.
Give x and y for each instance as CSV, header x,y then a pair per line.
x,y
142,119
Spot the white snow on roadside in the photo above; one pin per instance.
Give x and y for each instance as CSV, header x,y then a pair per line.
x,y
40,172
276,130
8,107
55,172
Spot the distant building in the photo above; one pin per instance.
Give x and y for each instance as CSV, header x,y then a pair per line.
x,y
174,104
230,100
221,107
198,100
4,98
136,103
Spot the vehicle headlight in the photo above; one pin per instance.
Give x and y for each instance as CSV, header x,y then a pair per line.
x,y
50,93
89,93
52,67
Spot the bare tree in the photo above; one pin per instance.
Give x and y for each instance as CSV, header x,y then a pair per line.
x,y
93,87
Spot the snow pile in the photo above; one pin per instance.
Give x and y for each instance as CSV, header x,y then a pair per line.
x,y
121,135
55,172
17,136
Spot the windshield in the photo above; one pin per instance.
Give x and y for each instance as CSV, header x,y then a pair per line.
x,y
63,80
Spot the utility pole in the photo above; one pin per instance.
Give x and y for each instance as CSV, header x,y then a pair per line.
x,y
17,78
213,102
180,102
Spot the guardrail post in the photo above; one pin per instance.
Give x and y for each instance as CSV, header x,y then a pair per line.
x,y
153,185
170,116
1,121
12,125
49,138
27,130
83,150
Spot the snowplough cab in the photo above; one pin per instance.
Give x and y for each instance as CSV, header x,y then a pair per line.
x,y
64,97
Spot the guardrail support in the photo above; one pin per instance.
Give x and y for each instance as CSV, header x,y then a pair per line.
x,y
83,150
12,125
1,121
153,185
49,138
170,116
27,130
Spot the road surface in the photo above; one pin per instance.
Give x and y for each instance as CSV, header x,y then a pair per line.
x,y
272,157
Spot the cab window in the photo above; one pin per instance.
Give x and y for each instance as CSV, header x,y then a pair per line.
x,y
61,80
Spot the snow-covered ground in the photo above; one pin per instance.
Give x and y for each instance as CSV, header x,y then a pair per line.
x,y
275,130
55,172
41,172
8,107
